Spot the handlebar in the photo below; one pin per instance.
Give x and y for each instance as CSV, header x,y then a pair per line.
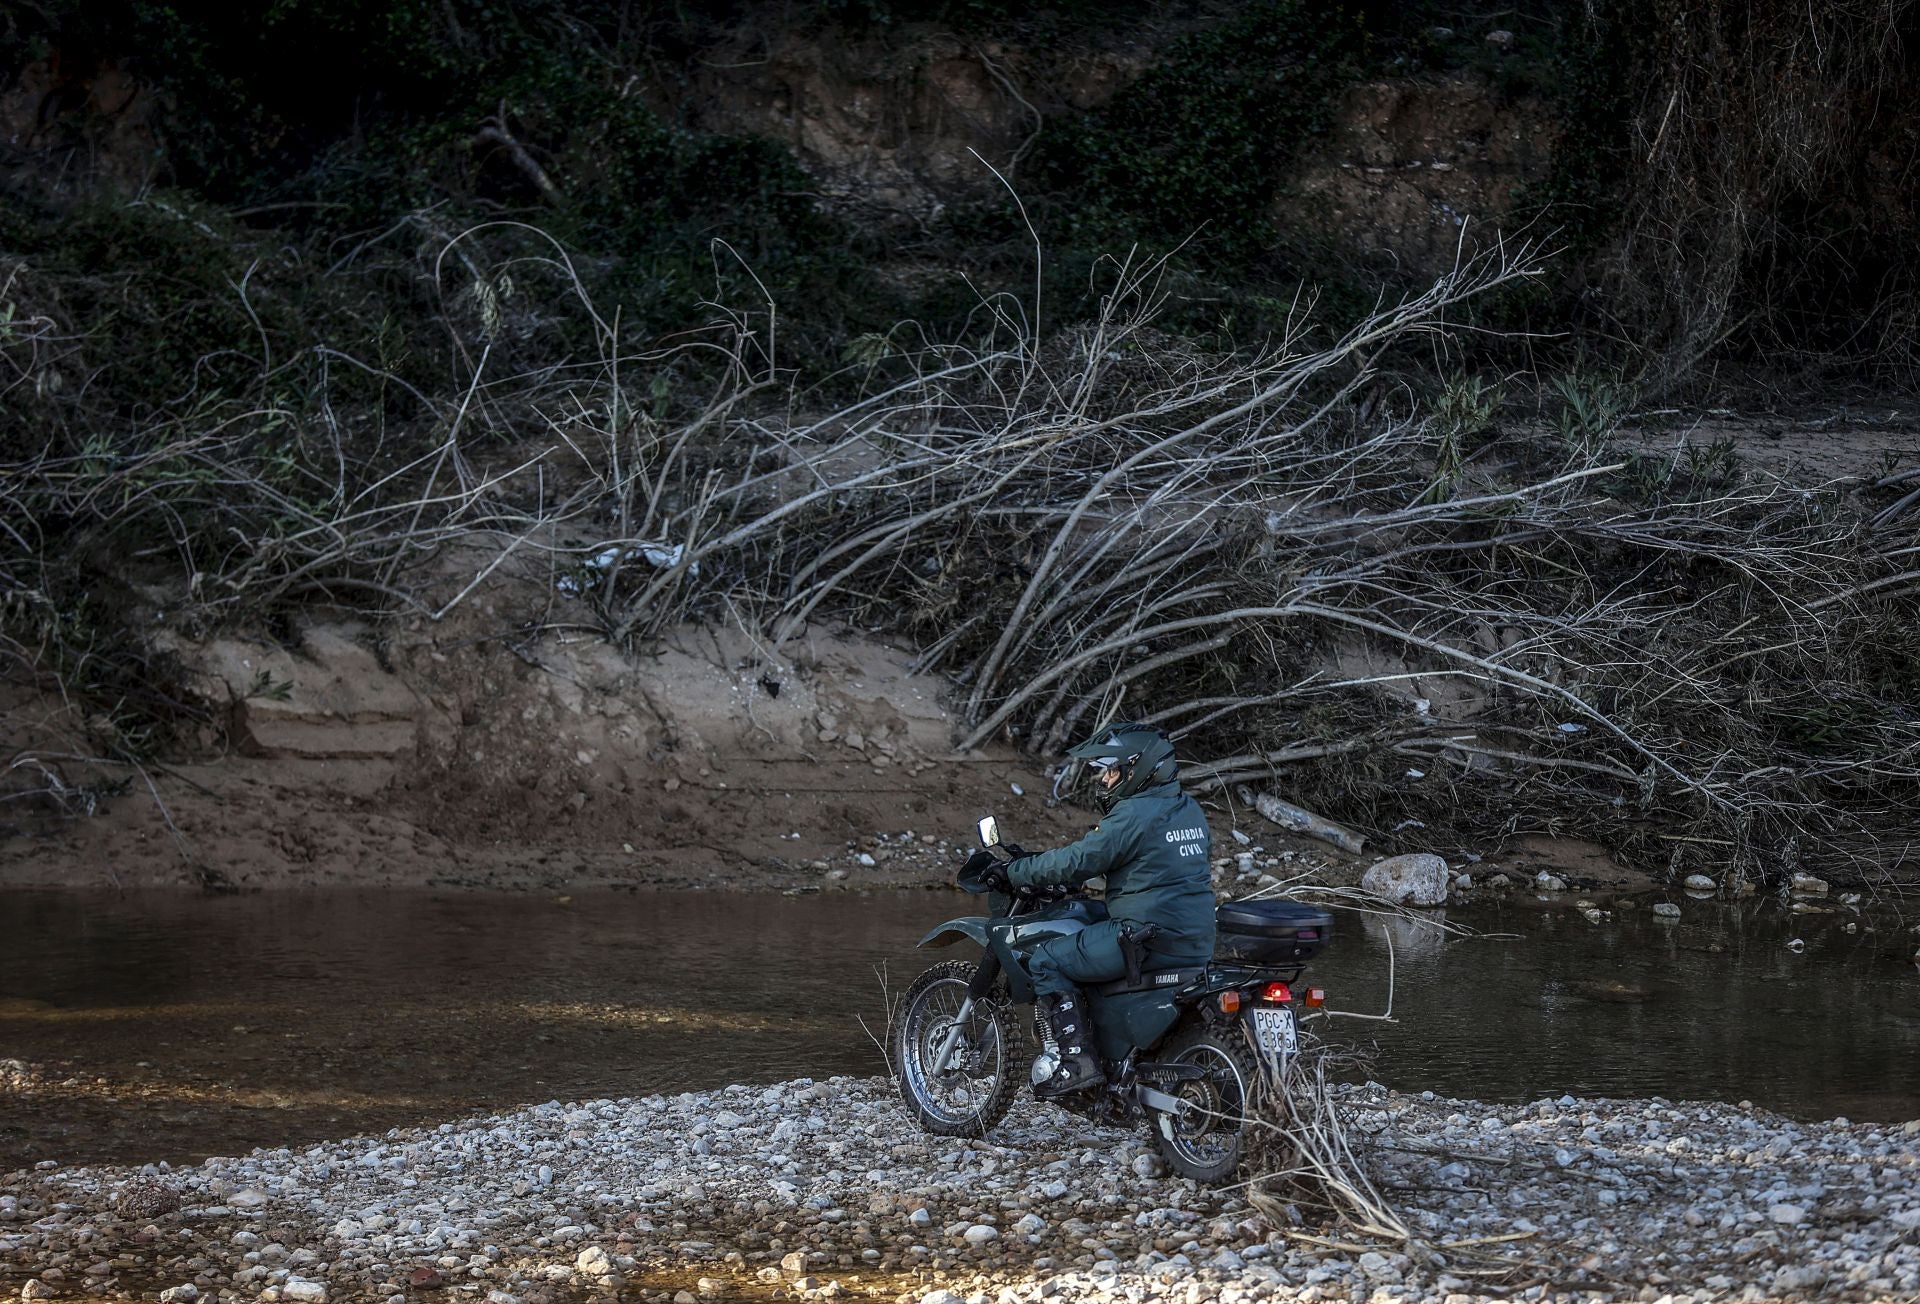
x,y
984,872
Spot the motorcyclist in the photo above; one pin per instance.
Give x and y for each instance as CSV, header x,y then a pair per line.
x,y
1152,846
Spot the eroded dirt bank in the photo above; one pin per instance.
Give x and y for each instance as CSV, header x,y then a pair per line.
x,y
820,1190
345,754
349,754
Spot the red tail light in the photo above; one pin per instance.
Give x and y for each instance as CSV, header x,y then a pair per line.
x,y
1316,996
1277,993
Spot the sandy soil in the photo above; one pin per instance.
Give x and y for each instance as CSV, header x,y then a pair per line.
x,y
372,760
372,757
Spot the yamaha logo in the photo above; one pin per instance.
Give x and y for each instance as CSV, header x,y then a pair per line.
x,y
1168,978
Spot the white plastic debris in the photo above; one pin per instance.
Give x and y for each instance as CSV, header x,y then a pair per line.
x,y
662,556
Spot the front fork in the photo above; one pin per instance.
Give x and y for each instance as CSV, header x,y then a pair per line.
x,y
983,980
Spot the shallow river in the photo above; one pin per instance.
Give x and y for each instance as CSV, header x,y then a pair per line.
x,y
183,1026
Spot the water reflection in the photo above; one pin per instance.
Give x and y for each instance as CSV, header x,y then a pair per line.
x,y
199,1025
1713,1005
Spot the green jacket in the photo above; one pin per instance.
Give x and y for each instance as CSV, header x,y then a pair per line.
x,y
1155,851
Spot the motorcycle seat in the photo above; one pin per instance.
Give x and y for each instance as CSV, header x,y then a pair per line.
x,y
1152,980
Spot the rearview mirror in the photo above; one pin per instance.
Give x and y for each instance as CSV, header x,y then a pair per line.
x,y
989,832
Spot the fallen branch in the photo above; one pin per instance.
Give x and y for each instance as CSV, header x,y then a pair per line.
x,y
1298,819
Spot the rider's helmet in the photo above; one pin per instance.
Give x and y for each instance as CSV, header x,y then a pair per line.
x,y
1141,753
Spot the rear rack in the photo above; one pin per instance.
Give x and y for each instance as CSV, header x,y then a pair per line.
x,y
1252,973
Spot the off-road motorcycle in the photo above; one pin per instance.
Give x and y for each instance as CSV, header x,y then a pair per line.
x,y
1190,1050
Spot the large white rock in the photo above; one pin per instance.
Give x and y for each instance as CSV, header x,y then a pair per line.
x,y
594,1262
1419,879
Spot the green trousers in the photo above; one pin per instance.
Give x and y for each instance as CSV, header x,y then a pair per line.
x,y
1089,956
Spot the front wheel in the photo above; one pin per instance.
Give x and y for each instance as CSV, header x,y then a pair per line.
x,y
1205,1139
973,1089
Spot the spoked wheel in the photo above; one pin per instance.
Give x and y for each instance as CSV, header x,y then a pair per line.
x,y
1205,1139
976,1085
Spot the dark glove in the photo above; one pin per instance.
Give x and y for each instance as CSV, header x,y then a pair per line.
x,y
984,868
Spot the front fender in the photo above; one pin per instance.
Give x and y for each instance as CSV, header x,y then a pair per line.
x,y
973,930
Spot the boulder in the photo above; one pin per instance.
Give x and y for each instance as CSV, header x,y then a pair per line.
x,y
1419,879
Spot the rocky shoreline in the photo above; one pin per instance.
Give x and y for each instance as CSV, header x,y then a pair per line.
x,y
821,1190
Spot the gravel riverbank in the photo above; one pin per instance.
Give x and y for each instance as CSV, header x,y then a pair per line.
x,y
823,1190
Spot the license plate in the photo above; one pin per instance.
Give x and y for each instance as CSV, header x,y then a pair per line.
x,y
1274,1031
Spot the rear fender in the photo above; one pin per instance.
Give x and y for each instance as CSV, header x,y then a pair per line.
x,y
956,930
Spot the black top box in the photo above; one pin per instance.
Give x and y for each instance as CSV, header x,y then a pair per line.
x,y
1271,932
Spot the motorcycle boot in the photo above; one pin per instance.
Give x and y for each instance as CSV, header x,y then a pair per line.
x,y
1066,1016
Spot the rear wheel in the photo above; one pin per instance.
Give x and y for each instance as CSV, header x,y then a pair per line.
x,y
1207,1136
975,1087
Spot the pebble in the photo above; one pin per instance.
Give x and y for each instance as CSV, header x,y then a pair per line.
x,y
1666,910
809,1182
